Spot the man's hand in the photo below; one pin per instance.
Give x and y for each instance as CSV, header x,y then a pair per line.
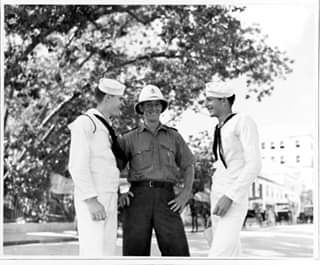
x,y
124,199
178,203
222,206
96,209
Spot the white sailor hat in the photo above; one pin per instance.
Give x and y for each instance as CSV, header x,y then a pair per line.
x,y
218,89
111,87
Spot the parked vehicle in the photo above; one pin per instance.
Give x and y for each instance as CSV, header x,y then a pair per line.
x,y
306,215
282,211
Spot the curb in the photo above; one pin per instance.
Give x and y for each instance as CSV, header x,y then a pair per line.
x,y
37,241
43,241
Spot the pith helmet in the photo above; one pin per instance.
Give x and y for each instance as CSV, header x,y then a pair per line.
x,y
150,93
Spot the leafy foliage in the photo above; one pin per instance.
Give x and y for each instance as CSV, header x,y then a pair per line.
x,y
201,148
55,55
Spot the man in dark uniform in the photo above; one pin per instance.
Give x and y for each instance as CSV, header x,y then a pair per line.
x,y
157,156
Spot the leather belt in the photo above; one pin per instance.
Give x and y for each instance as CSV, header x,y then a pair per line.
x,y
152,184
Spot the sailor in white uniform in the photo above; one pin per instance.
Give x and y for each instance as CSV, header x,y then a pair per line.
x,y
93,167
237,158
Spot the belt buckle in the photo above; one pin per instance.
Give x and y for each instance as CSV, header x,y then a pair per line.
x,y
150,184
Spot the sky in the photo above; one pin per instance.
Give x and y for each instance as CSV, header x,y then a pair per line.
x,y
292,108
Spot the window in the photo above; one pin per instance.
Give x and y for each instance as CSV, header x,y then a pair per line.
x,y
256,190
272,145
252,189
260,191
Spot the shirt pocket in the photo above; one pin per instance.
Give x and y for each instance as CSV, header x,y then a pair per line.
x,y
167,154
142,158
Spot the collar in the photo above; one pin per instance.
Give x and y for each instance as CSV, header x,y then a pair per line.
x,y
226,119
160,127
97,112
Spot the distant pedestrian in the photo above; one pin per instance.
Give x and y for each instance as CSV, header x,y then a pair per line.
x,y
270,216
258,214
237,162
205,213
194,215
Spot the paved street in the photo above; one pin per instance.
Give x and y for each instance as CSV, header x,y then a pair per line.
x,y
278,241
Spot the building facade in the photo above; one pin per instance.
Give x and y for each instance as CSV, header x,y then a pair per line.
x,y
287,172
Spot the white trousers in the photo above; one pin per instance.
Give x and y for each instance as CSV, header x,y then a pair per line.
x,y
226,230
98,238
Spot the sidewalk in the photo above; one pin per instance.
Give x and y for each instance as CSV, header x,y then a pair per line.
x,y
293,241
31,233
36,233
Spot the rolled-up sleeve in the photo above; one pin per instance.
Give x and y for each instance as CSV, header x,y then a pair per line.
x,y
79,158
249,139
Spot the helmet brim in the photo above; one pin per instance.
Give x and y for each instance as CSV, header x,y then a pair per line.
x,y
164,104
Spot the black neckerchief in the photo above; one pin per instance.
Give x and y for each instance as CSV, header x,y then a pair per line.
x,y
115,146
217,143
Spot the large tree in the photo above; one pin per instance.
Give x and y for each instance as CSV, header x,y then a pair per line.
x,y
55,55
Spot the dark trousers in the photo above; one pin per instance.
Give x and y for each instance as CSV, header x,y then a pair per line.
x,y
149,210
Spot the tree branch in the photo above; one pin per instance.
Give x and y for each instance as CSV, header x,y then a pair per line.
x,y
57,149
171,55
48,133
86,59
57,109
6,115
142,21
35,41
